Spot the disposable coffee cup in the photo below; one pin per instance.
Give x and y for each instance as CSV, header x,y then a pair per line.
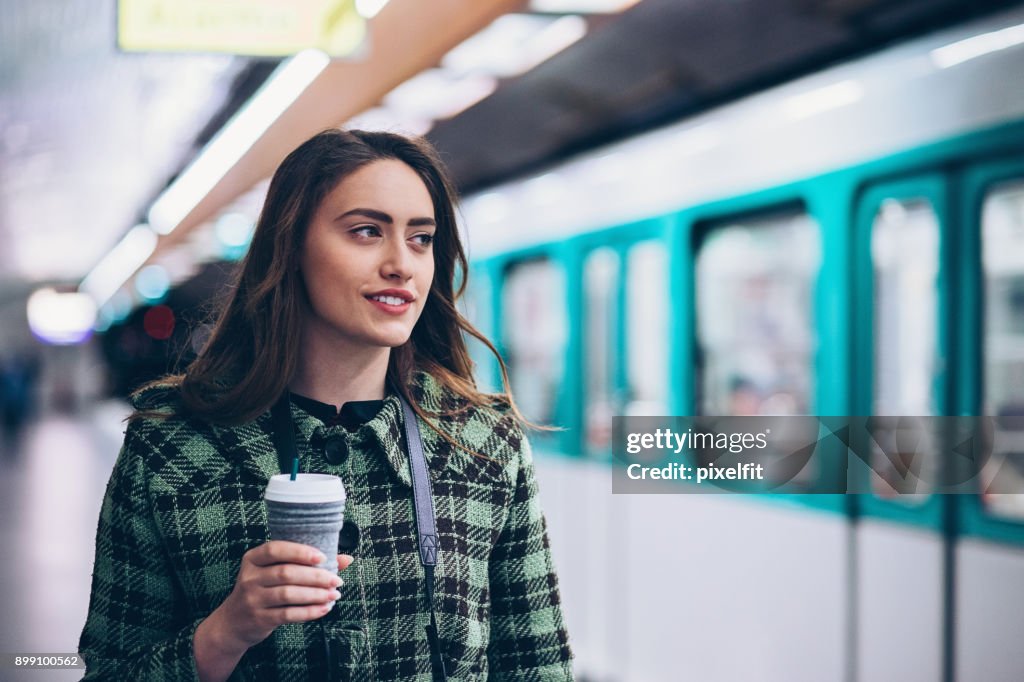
x,y
310,510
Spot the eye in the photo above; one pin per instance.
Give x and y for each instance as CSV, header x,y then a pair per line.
x,y
366,231
424,239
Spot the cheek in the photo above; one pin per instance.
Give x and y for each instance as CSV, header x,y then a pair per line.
x,y
427,283
322,282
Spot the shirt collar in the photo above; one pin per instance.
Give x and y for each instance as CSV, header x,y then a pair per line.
x,y
352,414
252,445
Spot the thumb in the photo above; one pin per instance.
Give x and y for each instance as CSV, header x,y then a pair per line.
x,y
344,560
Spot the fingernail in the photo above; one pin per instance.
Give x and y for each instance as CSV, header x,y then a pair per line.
x,y
336,596
318,557
336,581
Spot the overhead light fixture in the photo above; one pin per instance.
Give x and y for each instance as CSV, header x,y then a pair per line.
x,y
368,9
283,87
976,46
438,94
513,44
581,6
118,265
823,99
61,318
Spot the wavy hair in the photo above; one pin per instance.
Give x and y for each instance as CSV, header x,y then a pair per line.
x,y
252,353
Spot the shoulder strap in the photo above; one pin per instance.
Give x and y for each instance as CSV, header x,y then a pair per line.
x,y
421,492
425,526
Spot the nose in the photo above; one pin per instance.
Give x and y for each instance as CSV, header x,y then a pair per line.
x,y
398,261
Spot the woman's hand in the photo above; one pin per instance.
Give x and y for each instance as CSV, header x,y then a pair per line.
x,y
278,583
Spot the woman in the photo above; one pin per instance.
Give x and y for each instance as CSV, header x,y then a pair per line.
x,y
346,298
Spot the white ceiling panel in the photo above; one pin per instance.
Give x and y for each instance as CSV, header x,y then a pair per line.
x,y
88,134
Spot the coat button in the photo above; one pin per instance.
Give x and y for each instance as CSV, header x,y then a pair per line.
x,y
335,449
348,539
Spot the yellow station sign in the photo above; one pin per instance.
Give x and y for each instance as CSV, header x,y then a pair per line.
x,y
270,28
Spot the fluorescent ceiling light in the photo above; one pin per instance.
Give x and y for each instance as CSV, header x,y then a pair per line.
x,y
969,48
823,99
222,153
61,318
513,44
118,265
437,93
368,9
581,6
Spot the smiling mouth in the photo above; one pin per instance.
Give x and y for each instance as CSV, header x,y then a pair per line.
x,y
389,300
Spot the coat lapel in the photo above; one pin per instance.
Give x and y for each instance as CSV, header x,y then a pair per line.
x,y
251,447
387,429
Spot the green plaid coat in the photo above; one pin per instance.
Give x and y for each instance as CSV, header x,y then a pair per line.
x,y
184,503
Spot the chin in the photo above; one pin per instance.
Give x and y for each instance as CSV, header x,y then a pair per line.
x,y
392,340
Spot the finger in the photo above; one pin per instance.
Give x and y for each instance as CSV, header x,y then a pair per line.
x,y
293,595
344,561
282,551
299,614
296,574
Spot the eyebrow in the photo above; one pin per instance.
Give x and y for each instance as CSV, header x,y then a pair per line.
x,y
385,218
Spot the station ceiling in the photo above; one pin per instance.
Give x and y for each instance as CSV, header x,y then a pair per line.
x,y
89,136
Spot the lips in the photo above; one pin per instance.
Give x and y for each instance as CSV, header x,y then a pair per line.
x,y
392,296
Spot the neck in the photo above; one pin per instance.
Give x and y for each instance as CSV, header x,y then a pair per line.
x,y
336,373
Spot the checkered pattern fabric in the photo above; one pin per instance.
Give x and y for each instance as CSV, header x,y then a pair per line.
x,y
184,503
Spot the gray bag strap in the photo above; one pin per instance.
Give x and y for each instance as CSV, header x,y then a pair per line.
x,y
426,531
424,500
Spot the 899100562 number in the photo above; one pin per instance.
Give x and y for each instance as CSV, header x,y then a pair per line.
x,y
41,661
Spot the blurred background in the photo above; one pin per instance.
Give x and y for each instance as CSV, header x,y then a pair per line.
x,y
671,207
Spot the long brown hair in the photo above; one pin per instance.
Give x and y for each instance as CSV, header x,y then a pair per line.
x,y
251,354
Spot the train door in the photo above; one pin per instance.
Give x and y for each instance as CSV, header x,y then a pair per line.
x,y
989,583
902,565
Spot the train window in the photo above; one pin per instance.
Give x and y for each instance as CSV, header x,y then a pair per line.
x,y
647,312
754,307
905,263
476,307
905,258
600,281
1002,234
533,333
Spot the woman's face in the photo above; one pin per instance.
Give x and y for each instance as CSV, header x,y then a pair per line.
x,y
367,260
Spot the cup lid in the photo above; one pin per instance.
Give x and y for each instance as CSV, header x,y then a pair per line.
x,y
305,488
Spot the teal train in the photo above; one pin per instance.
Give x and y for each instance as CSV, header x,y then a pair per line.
x,y
851,243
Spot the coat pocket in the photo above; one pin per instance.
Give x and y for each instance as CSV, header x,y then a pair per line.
x,y
347,651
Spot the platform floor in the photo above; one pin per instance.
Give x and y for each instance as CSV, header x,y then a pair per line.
x,y
54,475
